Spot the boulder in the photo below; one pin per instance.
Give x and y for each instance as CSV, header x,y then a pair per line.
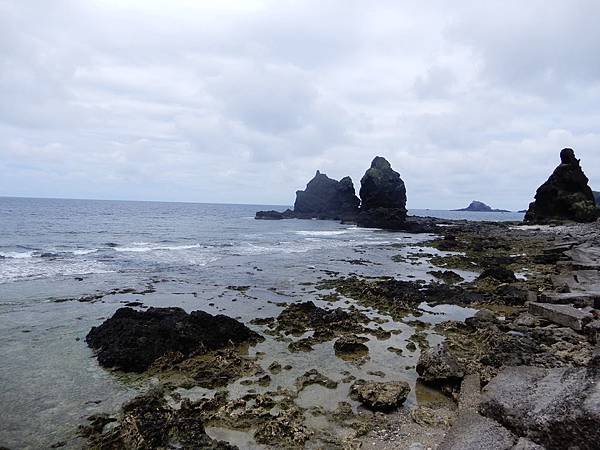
x,y
555,408
565,196
378,395
325,198
439,366
383,197
132,340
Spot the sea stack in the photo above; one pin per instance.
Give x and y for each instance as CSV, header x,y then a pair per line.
x,y
566,196
383,197
325,198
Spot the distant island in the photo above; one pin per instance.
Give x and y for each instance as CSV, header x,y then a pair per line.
x,y
597,197
477,206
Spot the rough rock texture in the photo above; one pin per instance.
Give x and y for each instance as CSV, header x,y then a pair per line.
x,y
351,344
325,198
383,197
132,340
557,408
147,422
378,395
439,366
565,196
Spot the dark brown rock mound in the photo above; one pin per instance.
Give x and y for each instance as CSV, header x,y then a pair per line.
x,y
565,196
132,340
383,197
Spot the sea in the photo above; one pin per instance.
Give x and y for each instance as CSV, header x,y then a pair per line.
x,y
67,265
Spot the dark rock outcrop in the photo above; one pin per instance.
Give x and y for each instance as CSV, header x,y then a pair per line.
x,y
565,196
477,206
557,408
275,215
383,196
323,198
132,340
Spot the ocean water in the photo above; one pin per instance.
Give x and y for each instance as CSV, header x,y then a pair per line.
x,y
66,265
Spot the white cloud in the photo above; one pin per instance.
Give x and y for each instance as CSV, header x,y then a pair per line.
x,y
241,101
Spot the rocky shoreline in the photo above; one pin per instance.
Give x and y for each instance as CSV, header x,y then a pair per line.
x,y
536,327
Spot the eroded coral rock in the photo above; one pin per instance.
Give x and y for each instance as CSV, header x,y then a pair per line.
x,y
379,395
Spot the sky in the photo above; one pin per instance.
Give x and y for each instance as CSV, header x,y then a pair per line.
x,y
242,101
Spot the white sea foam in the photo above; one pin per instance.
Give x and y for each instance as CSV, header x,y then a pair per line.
x,y
36,268
17,255
143,247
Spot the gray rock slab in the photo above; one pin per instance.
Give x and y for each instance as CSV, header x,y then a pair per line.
x,y
474,432
556,408
565,315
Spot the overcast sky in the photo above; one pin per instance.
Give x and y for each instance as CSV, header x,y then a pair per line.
x,y
241,102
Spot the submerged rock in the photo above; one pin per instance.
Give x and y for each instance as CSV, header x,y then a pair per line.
x,y
557,408
380,396
351,344
565,196
383,197
132,340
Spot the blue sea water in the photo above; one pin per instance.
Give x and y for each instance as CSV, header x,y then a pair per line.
x,y
55,253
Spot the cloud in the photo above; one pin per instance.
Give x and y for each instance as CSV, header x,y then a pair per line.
x,y
241,101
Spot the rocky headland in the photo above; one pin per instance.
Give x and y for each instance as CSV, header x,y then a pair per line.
x,y
566,195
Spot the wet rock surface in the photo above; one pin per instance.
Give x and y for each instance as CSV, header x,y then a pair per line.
x,y
132,340
565,196
380,396
147,422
